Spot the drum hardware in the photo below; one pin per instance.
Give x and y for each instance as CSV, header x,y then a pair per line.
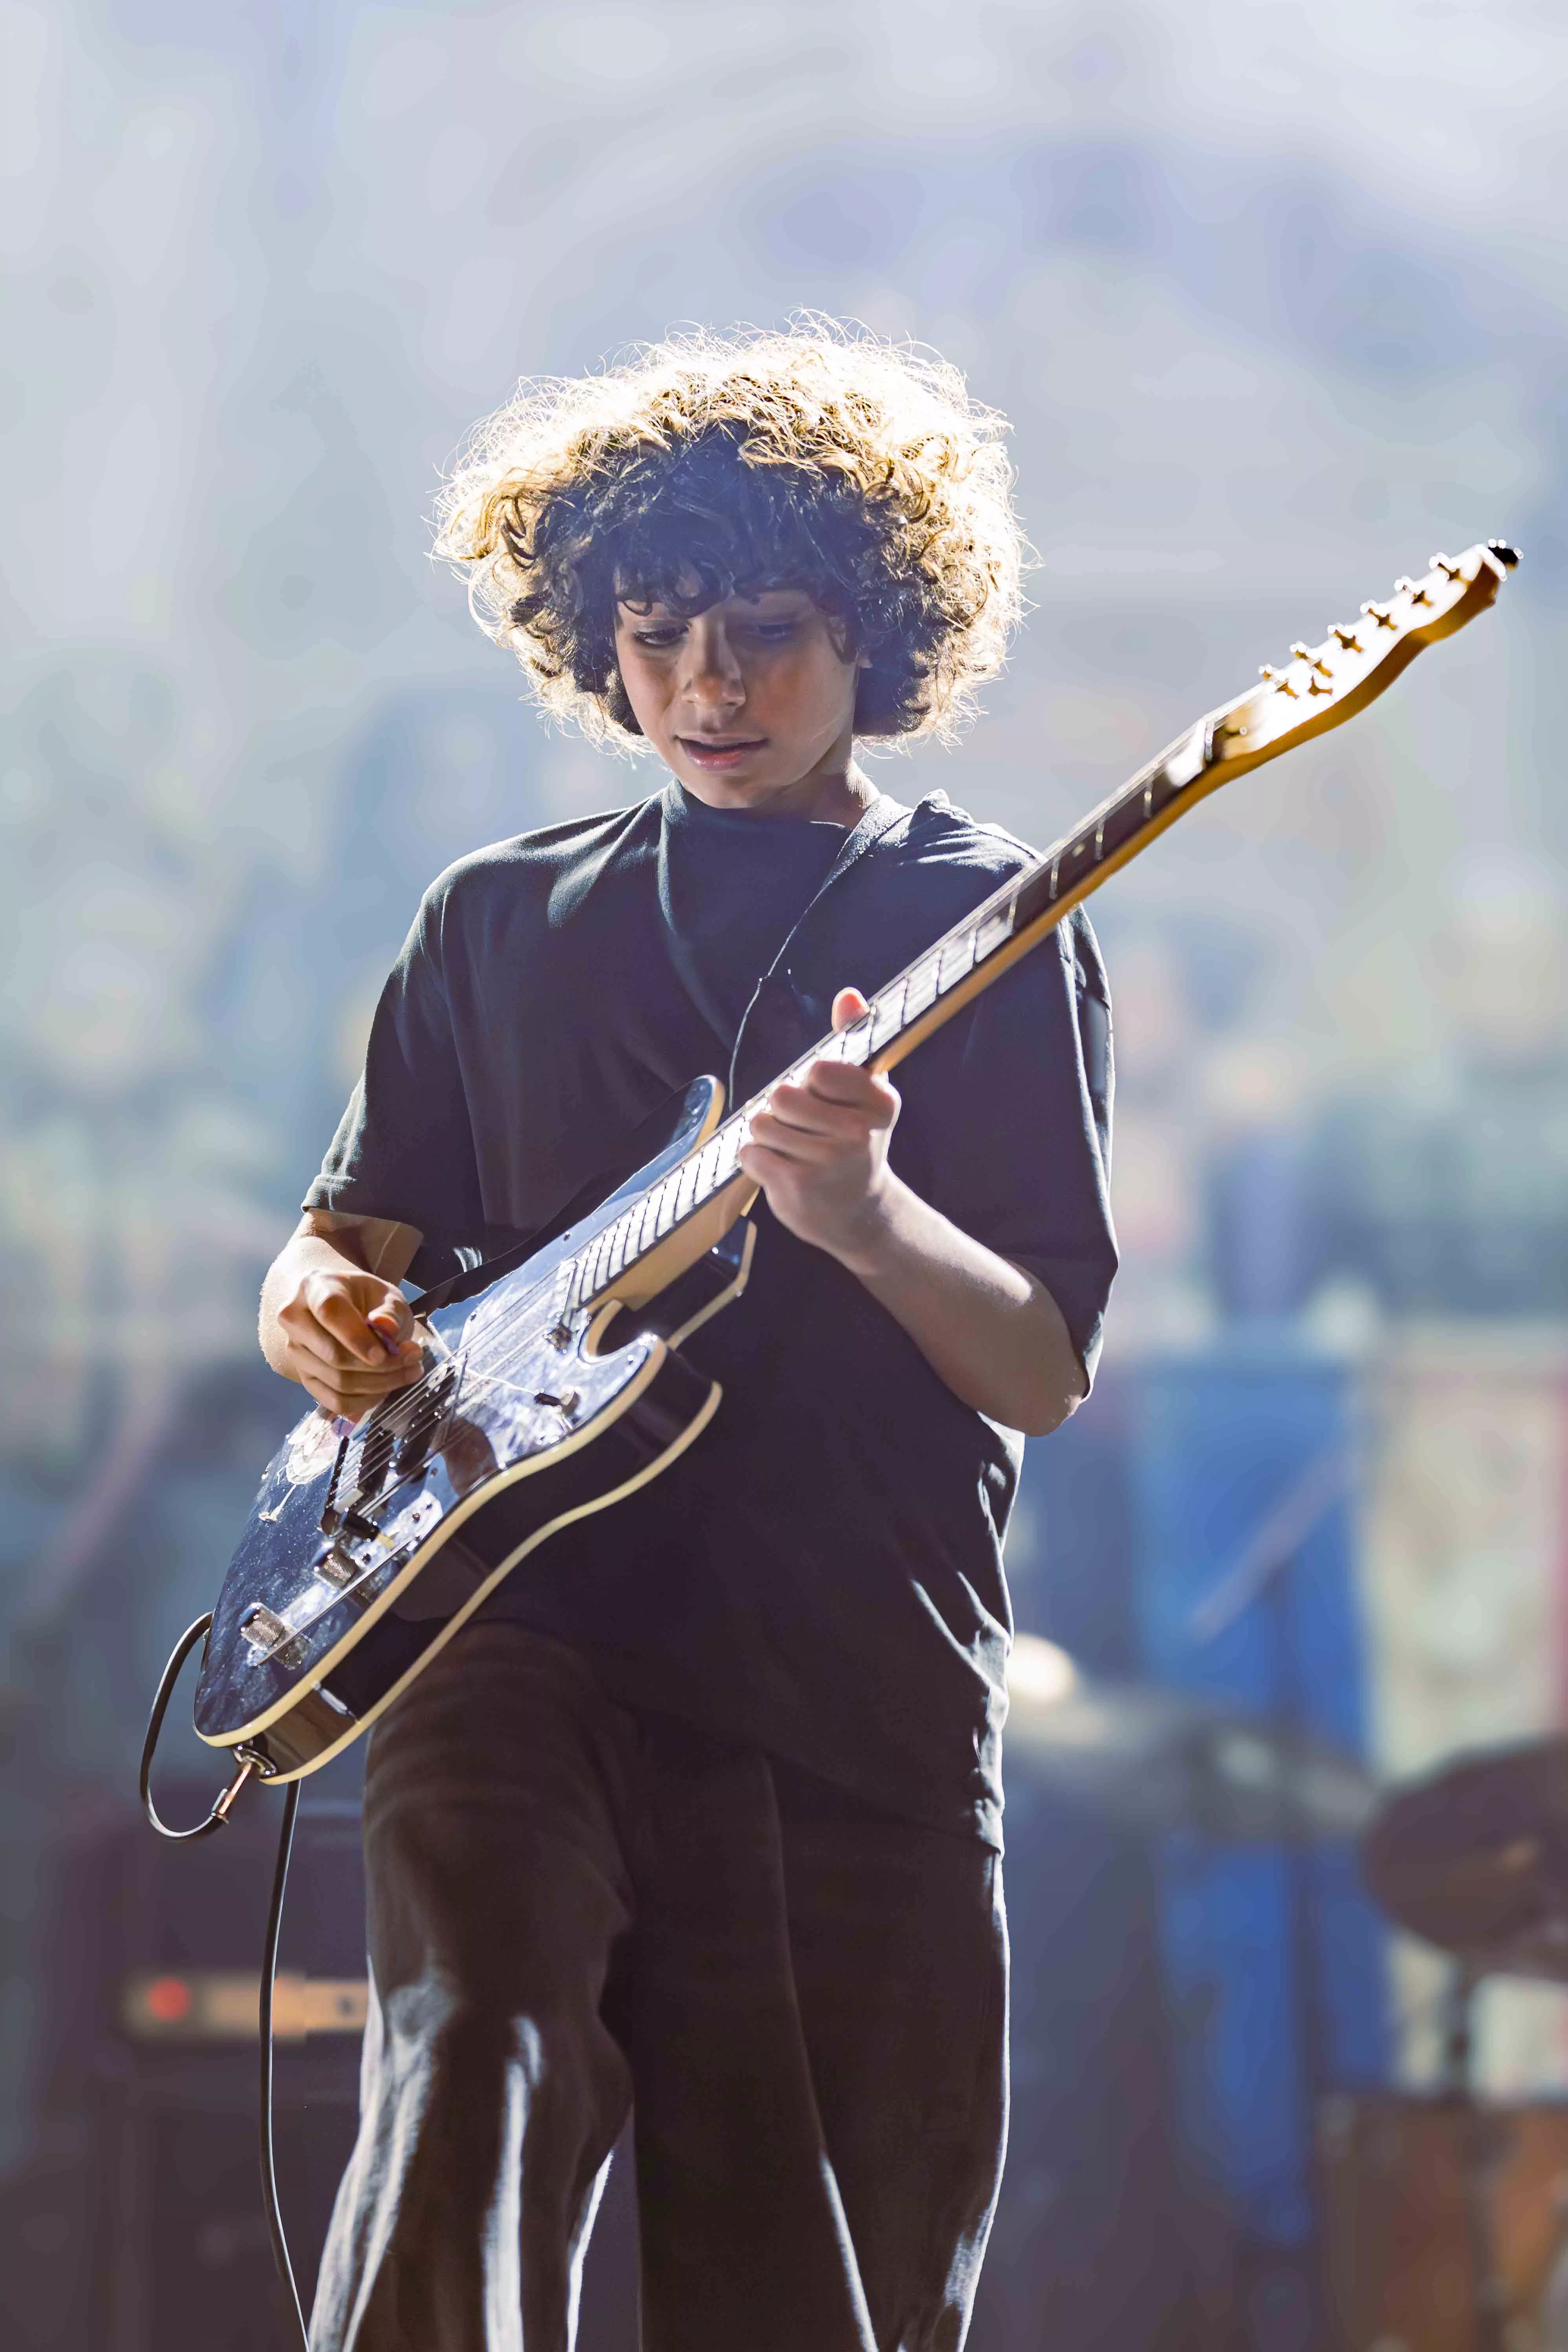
x,y
1161,1760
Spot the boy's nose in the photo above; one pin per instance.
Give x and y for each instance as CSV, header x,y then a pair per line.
x,y
709,673
713,681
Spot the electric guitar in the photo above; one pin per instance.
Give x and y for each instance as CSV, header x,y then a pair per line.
x,y
553,1382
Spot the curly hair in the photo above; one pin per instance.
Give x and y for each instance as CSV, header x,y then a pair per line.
x,y
707,465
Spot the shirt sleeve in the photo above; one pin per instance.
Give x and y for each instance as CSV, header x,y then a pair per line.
x,y
1016,1101
404,1145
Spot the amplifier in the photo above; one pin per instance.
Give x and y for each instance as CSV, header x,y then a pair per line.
x,y
225,2005
137,2223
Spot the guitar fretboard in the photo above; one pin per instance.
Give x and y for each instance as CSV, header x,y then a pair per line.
x,y
1017,916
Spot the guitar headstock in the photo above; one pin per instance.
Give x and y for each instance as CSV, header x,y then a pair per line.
x,y
1321,686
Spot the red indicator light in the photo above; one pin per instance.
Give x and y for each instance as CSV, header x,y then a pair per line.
x,y
168,1999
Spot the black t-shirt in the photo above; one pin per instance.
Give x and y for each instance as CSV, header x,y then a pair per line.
x,y
821,1571
731,888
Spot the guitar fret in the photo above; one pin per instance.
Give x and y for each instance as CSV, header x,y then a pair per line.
x,y
707,1163
685,1190
620,1235
625,1249
730,1137
993,930
887,1016
957,958
922,990
644,1217
856,1039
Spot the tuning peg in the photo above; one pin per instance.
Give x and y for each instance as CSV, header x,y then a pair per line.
x,y
1347,637
1408,588
1380,614
1441,564
1305,653
1506,555
1272,677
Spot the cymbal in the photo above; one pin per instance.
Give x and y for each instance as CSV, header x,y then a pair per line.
x,y
1475,1859
1156,1760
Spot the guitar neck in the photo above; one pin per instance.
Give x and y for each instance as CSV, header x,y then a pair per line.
x,y
1320,688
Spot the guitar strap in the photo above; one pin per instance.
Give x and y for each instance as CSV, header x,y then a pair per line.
x,y
879,819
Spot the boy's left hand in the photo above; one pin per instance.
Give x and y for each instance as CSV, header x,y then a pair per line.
x,y
819,1151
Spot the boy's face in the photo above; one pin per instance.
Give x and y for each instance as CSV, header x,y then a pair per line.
x,y
749,703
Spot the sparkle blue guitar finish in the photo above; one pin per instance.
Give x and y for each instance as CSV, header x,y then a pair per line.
x,y
366,1549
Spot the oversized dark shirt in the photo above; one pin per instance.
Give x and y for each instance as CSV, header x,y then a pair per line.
x,y
821,1571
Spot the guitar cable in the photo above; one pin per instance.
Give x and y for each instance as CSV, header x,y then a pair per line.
x,y
216,1820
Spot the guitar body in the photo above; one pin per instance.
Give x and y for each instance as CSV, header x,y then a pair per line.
x,y
367,1548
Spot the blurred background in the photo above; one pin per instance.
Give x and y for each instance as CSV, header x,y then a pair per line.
x,y
1277,304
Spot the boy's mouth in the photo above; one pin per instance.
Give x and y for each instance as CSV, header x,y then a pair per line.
x,y
719,751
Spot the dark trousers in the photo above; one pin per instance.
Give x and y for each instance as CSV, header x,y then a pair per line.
x,y
574,1908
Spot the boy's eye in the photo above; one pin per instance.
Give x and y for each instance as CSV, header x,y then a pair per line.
x,y
773,632
670,635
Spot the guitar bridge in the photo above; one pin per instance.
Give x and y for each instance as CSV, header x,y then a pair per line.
x,y
268,1638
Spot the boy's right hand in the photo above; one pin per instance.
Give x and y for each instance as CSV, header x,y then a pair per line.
x,y
346,1336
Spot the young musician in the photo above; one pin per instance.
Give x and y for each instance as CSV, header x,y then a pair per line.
x,y
701,1813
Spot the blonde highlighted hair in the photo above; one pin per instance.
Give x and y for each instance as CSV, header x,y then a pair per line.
x,y
711,464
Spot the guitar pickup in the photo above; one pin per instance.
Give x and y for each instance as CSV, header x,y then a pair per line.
x,y
334,1567
351,1563
268,1637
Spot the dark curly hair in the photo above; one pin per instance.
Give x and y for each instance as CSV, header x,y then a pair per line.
x,y
708,467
